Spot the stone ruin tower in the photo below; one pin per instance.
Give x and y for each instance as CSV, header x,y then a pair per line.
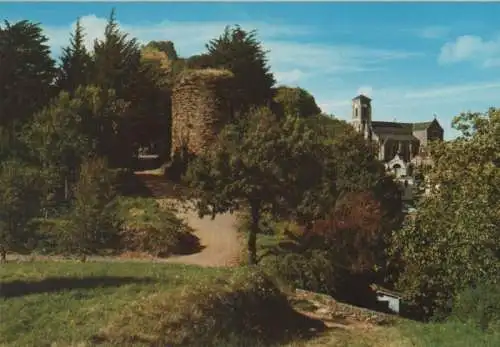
x,y
200,109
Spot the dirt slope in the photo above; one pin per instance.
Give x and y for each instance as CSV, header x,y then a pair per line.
x,y
219,237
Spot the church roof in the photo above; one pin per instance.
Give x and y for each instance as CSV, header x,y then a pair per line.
x,y
400,128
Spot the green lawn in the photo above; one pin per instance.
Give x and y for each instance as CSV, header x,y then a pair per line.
x,y
67,302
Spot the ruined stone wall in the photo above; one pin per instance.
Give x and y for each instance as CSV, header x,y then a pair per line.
x,y
200,108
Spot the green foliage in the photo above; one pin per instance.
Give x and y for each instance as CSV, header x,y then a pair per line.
x,y
310,269
280,167
69,130
118,66
452,242
94,220
149,228
339,255
26,74
240,52
479,306
19,203
296,101
166,47
76,66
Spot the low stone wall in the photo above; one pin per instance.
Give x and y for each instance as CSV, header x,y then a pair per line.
x,y
200,108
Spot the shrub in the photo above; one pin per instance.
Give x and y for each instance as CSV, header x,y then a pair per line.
x,y
149,228
245,309
94,222
19,203
312,270
479,306
52,235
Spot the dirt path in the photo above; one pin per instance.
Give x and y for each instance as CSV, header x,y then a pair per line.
x,y
219,238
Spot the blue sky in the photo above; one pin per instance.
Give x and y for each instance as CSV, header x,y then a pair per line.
x,y
412,59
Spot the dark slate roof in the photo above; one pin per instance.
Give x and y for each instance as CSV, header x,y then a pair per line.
x,y
392,128
400,128
363,97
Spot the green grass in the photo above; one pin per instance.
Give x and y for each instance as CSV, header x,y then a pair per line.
x,y
449,334
66,303
70,303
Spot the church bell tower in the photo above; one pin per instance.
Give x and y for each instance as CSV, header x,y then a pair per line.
x,y
362,115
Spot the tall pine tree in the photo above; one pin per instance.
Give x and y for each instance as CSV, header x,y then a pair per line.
x,y
117,61
240,52
76,63
26,73
118,66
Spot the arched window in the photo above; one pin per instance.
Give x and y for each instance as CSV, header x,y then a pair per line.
x,y
397,169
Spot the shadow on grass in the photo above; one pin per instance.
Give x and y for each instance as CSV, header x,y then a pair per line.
x,y
55,284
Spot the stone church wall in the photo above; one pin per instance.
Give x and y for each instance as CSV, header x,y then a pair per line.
x,y
200,108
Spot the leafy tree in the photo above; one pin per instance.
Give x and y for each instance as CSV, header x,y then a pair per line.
x,y
240,52
19,203
296,101
69,130
26,73
58,143
76,63
267,165
452,242
94,221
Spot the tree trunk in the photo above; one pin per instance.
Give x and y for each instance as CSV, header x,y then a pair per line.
x,y
252,236
3,255
66,188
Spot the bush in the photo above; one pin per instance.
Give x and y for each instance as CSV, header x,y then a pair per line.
x,y
246,309
52,235
479,306
311,271
149,228
19,203
94,220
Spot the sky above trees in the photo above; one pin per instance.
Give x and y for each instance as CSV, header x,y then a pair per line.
x,y
412,59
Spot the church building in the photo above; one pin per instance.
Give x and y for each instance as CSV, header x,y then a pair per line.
x,y
402,146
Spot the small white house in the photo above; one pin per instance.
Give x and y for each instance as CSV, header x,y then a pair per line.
x,y
392,299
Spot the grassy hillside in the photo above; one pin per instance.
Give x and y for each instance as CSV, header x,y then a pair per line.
x,y
147,304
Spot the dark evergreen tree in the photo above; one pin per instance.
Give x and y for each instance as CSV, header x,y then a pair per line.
x,y
240,52
26,72
76,63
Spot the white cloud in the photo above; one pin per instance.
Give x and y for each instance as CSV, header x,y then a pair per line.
x,y
189,37
289,77
471,48
292,61
433,32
